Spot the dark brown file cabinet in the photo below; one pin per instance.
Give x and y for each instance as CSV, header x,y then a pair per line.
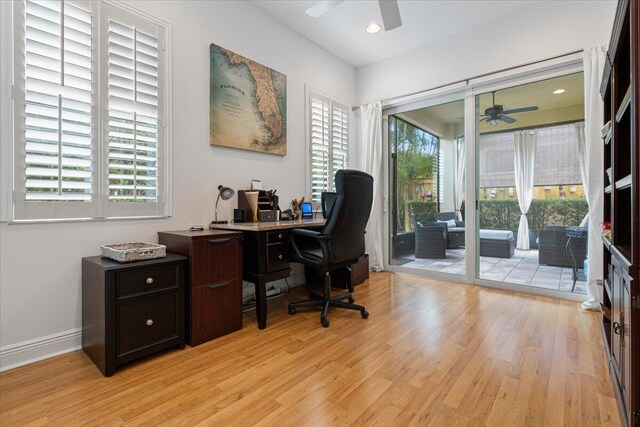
x,y
131,310
214,281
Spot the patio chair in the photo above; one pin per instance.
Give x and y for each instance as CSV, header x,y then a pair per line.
x,y
430,240
552,247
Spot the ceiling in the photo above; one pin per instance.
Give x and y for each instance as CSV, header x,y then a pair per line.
x,y
341,31
566,106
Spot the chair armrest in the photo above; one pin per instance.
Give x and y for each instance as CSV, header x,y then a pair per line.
x,y
459,223
301,237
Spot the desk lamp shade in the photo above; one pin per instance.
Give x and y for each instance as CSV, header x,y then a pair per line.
x,y
224,193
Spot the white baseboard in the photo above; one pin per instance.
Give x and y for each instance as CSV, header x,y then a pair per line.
x,y
23,353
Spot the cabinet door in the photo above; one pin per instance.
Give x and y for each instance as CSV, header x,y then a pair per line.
x,y
625,383
616,311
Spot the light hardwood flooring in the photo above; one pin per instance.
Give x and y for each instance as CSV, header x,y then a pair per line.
x,y
431,353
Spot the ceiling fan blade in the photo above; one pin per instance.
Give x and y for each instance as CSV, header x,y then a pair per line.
x,y
390,14
322,7
507,119
521,110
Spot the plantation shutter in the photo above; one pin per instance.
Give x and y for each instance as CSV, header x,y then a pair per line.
x,y
55,167
319,146
329,136
339,140
134,117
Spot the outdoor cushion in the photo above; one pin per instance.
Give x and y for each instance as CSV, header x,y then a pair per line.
x,y
496,234
450,223
456,230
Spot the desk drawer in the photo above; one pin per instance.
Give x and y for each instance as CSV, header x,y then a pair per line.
x,y
146,321
277,236
216,310
215,260
277,256
145,280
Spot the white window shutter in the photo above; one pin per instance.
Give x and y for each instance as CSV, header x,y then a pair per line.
x,y
319,130
133,134
55,98
329,139
339,140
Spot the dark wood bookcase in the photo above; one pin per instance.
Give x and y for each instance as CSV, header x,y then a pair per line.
x,y
620,91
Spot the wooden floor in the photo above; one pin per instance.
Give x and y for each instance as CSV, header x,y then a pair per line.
x,y
431,353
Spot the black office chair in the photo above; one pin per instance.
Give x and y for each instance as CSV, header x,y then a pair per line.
x,y
340,243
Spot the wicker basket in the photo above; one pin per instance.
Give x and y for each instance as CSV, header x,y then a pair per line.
x,y
136,251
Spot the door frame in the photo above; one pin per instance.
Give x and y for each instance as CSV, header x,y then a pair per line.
x,y
468,91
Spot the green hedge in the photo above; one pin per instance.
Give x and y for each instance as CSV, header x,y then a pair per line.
x,y
423,211
506,213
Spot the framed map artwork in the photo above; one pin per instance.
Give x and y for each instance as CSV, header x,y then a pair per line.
x,y
248,104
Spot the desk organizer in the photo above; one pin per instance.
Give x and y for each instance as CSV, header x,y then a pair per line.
x,y
135,251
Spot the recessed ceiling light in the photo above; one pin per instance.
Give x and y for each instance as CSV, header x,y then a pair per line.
x,y
558,91
373,28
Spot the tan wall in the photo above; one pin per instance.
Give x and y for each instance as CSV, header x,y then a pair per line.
x,y
550,193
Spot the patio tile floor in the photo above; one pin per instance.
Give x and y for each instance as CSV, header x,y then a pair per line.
x,y
521,269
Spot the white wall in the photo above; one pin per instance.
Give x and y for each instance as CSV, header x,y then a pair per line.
x,y
40,294
553,28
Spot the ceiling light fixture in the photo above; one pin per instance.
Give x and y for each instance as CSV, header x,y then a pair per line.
x,y
493,121
558,91
373,28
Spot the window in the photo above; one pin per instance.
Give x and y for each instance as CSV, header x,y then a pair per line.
x,y
89,135
329,142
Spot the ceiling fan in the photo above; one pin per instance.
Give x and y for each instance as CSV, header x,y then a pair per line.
x,y
388,9
496,113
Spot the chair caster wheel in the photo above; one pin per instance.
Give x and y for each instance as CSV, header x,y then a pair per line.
x,y
352,300
292,310
364,314
325,322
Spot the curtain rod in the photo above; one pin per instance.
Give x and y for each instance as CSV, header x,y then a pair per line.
x,y
477,77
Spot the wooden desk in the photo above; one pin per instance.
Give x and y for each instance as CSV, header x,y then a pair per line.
x,y
266,254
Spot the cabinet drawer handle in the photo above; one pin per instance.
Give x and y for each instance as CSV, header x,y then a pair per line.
x,y
218,285
214,241
149,322
280,256
149,280
280,236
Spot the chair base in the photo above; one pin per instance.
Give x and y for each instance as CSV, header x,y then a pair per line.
x,y
326,301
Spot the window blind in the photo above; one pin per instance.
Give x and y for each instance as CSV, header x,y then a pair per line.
x,y
58,126
329,138
133,114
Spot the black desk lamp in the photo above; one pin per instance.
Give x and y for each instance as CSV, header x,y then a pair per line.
x,y
224,193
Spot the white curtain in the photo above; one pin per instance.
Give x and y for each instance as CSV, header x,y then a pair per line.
x,y
371,163
591,167
459,190
524,164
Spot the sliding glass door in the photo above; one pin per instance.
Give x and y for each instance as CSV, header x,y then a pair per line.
x,y
426,170
531,203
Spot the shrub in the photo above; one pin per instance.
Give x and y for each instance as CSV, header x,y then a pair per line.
x,y
506,213
423,211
